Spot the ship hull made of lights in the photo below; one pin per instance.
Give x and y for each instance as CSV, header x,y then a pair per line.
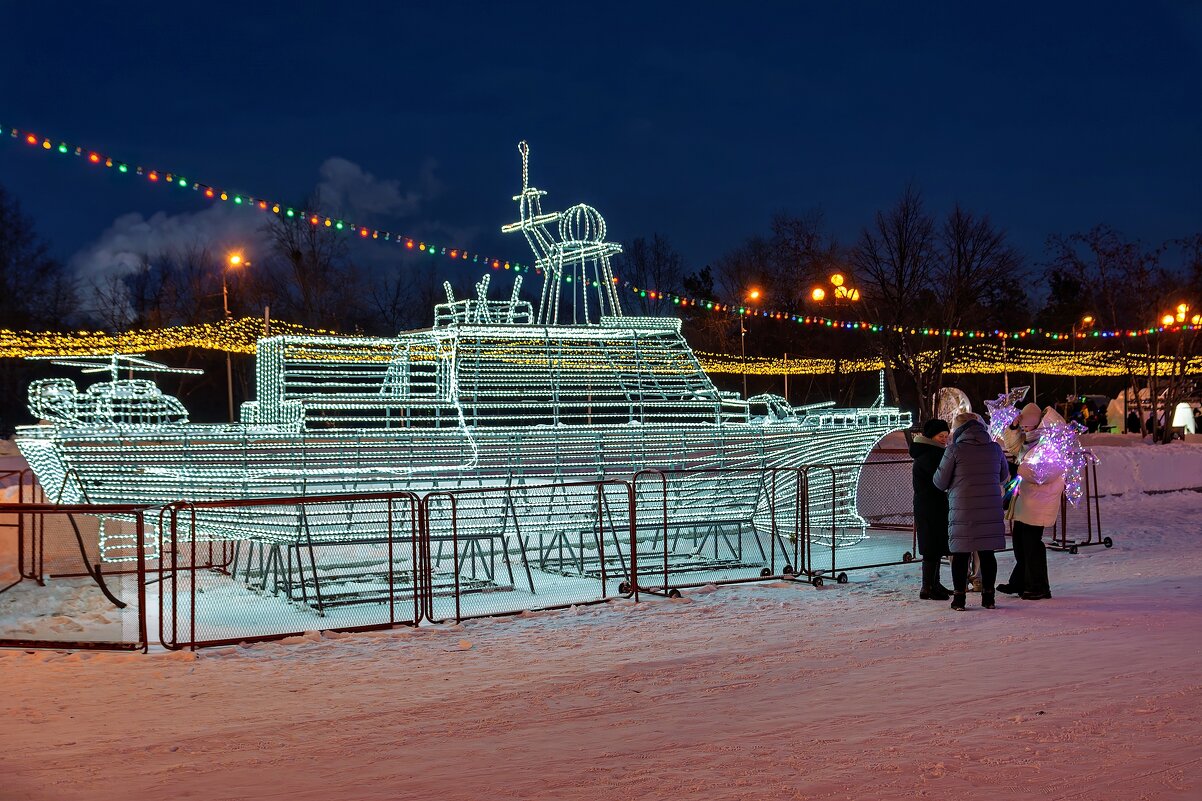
x,y
208,463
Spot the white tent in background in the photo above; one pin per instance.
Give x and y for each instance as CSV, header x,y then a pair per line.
x,y
1183,416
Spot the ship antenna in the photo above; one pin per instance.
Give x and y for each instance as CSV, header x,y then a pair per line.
x,y
524,149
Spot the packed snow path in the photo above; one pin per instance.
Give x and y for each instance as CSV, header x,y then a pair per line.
x,y
761,691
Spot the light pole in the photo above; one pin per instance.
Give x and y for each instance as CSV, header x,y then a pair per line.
x,y
1078,329
754,294
842,292
234,260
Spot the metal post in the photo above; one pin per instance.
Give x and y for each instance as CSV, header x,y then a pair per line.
x,y
743,352
786,378
229,368
1005,369
1074,335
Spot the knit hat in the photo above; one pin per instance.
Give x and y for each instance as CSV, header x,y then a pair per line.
x,y
931,428
1030,415
964,418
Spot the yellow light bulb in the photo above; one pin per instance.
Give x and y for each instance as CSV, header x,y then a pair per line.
x,y
818,294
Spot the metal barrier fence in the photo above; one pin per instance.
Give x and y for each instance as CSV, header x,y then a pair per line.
x,y
882,531
714,526
501,550
30,559
347,562
1084,517
189,575
56,543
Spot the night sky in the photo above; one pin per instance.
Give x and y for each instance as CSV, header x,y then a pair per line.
x,y
698,125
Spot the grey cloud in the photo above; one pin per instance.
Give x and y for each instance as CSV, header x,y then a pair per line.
x,y
349,188
132,237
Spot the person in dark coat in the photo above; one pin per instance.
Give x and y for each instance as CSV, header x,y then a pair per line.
x,y
973,471
930,507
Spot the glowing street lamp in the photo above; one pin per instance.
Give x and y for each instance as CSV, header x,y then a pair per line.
x,y
841,292
233,262
753,294
1078,330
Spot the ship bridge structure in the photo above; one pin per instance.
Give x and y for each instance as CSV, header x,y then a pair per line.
x,y
575,254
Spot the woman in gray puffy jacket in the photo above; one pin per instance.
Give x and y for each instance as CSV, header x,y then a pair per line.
x,y
972,472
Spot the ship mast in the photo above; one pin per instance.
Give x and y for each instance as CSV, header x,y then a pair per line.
x,y
580,256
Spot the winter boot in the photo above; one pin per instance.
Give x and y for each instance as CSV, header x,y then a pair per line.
x,y
936,593
958,602
987,600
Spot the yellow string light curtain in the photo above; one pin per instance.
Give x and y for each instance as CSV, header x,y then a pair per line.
x,y
240,336
234,336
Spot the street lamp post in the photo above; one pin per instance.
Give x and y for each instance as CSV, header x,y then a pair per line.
x,y
754,294
1078,328
234,260
743,352
842,292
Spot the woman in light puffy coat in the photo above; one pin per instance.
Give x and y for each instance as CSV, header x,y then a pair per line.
x,y
972,472
1036,506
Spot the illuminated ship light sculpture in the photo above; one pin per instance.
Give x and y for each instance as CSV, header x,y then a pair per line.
x,y
495,394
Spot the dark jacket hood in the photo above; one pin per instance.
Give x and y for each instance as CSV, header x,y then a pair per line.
x,y
971,433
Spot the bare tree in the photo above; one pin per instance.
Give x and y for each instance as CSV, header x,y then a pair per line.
x,y
1130,286
309,275
895,260
35,291
653,265
925,281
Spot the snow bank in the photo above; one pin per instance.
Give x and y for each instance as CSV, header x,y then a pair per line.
x,y
1126,462
1148,468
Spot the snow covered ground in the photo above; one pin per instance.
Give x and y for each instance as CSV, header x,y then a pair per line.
x,y
748,692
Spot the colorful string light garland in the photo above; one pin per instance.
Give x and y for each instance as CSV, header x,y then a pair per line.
x,y
215,193
211,192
